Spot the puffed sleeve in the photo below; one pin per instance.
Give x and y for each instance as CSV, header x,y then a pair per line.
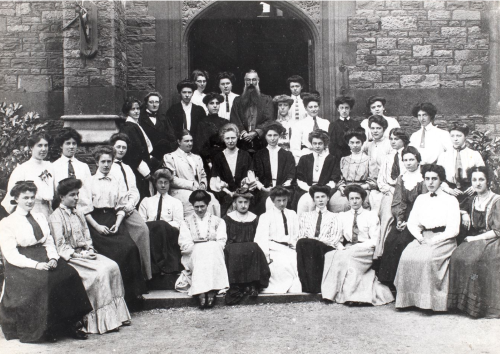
x,y
414,225
493,221
294,228
222,233
374,230
335,233
85,200
185,240
262,234
372,174
143,209
302,226
133,192
56,224
178,214
8,245
123,197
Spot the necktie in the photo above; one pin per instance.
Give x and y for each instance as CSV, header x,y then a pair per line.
x,y
37,230
297,107
316,126
71,170
316,163
318,224
355,228
158,213
227,103
458,168
123,173
422,141
284,222
396,171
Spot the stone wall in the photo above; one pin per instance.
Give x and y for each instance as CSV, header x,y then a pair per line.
x,y
418,44
31,45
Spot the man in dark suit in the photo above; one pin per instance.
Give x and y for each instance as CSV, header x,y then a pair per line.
x,y
156,127
250,112
185,114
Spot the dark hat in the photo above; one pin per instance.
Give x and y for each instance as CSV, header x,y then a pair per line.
x,y
283,99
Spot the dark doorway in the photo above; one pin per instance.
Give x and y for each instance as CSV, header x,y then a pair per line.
x,y
237,36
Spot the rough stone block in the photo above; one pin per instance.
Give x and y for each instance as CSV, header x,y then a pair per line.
x,y
386,43
363,76
405,52
18,28
401,69
434,69
388,60
76,81
452,83
399,22
472,69
477,5
7,12
470,76
455,5
379,52
101,80
420,81
466,15
28,63
454,69
443,53
407,43
439,15
411,4
422,50
51,16
433,4
471,56
390,78
419,69
373,5
34,83
454,31
486,127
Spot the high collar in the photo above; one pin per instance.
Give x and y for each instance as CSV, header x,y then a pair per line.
x,y
274,149
360,210
154,114
65,158
36,161
67,210
132,120
311,118
319,210
345,119
428,127
381,140
277,210
21,211
183,153
100,175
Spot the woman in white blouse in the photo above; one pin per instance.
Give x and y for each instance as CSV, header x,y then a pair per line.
x,y
202,240
40,290
200,77
422,277
38,171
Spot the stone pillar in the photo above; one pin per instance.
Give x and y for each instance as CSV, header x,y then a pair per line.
x,y
95,89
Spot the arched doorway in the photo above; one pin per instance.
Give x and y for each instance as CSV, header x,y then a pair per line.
x,y
240,35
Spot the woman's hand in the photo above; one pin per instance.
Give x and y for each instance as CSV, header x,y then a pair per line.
x,y
114,229
423,241
42,266
469,191
202,186
401,225
341,189
102,229
466,221
471,239
52,264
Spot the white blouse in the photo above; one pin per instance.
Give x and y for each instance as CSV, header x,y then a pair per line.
x,y
17,231
108,192
368,225
133,195
195,229
231,159
171,209
330,231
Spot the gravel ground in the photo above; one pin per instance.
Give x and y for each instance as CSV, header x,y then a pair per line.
x,y
285,328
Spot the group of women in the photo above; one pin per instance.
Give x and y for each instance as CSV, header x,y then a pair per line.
x,y
353,218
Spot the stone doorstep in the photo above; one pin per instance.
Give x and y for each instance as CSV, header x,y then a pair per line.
x,y
174,299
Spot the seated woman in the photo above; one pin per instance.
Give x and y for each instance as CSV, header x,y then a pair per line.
x,y
38,171
348,275
317,168
40,290
277,240
163,215
188,174
376,106
475,264
422,278
283,103
246,264
202,240
207,141
109,236
319,233
100,275
230,169
273,166
390,169
409,186
356,169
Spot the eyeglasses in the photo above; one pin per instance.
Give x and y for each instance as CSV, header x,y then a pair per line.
x,y
251,80
201,81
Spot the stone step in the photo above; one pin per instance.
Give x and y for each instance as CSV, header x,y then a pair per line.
x,y
174,299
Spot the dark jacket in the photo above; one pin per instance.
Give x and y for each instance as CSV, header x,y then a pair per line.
x,y
176,117
330,171
336,131
221,169
262,167
161,135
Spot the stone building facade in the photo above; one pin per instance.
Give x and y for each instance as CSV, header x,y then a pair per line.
x,y
445,52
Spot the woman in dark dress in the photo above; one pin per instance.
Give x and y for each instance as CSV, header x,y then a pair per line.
x,y
409,186
109,235
475,264
246,264
207,142
230,169
40,290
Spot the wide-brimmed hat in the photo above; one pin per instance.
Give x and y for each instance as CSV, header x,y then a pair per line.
x,y
283,98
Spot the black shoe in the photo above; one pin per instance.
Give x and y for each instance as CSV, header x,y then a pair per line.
x,y
79,334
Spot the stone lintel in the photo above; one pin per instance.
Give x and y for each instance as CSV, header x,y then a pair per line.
x,y
95,129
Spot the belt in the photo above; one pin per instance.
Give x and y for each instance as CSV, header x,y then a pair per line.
x,y
104,210
436,229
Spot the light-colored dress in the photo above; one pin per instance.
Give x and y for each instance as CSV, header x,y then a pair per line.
x,y
202,243
101,276
376,151
423,276
347,275
279,249
197,99
41,173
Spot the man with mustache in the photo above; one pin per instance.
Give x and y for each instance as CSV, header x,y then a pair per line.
x,y
250,112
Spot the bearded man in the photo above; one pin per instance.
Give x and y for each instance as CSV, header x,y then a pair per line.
x,y
250,112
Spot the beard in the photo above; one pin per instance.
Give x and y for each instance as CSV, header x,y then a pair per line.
x,y
250,96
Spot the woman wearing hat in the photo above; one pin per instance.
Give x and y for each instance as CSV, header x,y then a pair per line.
x,y
284,103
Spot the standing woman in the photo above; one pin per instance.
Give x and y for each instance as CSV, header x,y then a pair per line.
x,y
109,236
284,117
38,171
475,264
100,275
408,187
40,290
230,169
422,278
246,263
376,106
200,77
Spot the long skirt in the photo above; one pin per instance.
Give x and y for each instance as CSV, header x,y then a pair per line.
x,y
348,277
310,263
205,269
423,275
165,250
394,246
103,283
474,280
246,263
33,300
122,249
284,274
139,232
386,221
214,207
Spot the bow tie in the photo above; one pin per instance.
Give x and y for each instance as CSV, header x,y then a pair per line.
x,y
433,194
106,178
152,114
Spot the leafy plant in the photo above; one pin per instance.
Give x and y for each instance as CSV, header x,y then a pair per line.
x,y
489,148
15,130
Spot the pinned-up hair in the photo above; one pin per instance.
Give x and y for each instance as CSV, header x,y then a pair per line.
x,y
103,150
163,173
427,107
200,196
438,169
67,185
461,127
344,99
319,189
357,132
379,120
319,134
354,188
23,187
66,134
400,134
229,127
279,191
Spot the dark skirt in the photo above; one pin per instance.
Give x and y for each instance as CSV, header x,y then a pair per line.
x,y
34,301
310,263
165,250
246,263
394,245
121,249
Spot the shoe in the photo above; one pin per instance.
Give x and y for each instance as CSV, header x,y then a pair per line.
x,y
253,292
211,300
79,334
203,300
127,323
